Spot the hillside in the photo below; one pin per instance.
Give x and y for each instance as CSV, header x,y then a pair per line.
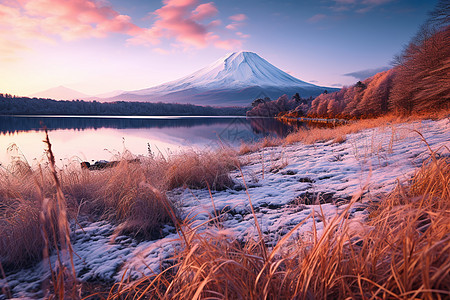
x,y
418,83
236,79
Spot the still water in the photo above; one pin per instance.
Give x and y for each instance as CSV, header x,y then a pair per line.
x,y
82,138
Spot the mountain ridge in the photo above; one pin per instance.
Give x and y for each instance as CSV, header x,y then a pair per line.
x,y
235,79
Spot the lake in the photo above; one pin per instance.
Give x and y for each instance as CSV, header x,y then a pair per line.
x,y
92,138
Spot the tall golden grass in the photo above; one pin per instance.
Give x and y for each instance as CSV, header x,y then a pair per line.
x,y
132,195
264,143
201,169
402,251
339,133
34,220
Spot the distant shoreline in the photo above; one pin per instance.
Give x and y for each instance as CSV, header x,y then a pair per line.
x,y
132,116
11,105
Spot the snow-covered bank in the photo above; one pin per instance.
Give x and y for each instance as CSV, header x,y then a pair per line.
x,y
282,183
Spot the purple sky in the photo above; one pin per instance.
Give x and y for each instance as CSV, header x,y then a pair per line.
x,y
97,46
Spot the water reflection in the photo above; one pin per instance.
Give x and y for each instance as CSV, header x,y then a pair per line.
x,y
266,125
94,138
25,123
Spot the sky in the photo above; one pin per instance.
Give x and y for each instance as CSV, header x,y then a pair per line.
x,y
99,46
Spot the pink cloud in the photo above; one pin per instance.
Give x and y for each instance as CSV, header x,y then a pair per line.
x,y
75,19
234,26
215,23
238,17
15,29
376,2
316,18
179,2
360,6
150,36
182,20
242,35
24,21
204,11
179,20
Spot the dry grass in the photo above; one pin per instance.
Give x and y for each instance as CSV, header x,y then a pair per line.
x,y
34,220
264,143
21,193
20,235
401,252
338,134
202,169
132,195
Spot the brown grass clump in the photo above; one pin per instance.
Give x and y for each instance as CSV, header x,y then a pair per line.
x,y
401,252
21,204
132,195
314,135
433,181
338,134
20,235
201,169
33,221
264,143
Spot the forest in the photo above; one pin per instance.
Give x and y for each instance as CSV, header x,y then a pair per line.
x,y
417,83
13,105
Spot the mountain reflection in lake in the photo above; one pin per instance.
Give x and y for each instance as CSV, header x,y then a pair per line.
x,y
95,138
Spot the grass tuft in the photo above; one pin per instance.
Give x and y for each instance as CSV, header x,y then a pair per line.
x,y
264,143
132,195
401,251
202,169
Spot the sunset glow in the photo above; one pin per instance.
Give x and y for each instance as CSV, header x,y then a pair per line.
x,y
101,46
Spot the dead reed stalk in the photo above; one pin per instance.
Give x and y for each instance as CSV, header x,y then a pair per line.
x,y
400,252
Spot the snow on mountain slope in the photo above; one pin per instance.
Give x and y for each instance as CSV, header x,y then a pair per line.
x,y
238,70
235,79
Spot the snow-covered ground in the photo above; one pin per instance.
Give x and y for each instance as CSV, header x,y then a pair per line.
x,y
284,185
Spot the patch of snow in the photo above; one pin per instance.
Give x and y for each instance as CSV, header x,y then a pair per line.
x,y
279,179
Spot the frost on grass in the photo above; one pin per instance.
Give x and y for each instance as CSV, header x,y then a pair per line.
x,y
285,184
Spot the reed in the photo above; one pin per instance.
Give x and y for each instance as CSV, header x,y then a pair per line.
x,y
202,169
400,252
338,134
264,143
131,195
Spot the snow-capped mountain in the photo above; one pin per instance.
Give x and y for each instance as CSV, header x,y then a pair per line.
x,y
236,79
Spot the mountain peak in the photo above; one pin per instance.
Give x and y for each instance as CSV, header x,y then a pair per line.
x,y
240,69
240,76
242,53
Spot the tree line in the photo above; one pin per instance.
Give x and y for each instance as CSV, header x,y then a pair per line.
x,y
419,82
13,105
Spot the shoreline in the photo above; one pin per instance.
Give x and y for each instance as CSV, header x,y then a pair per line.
x,y
284,183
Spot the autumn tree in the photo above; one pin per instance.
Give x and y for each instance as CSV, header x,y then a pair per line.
x,y
422,83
